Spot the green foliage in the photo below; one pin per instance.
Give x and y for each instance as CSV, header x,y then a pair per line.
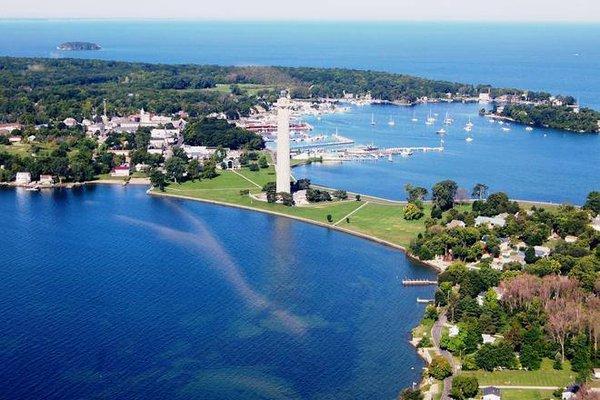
x,y
158,179
464,387
262,162
340,194
492,356
329,218
586,120
592,202
215,132
412,212
317,195
415,193
439,368
443,194
496,203
286,199
411,394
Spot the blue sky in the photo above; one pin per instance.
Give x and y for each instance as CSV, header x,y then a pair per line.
x,y
421,10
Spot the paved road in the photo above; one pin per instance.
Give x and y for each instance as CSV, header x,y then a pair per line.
x,y
436,335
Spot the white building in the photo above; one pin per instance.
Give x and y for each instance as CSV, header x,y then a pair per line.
x,y
282,168
23,178
198,152
453,331
46,180
70,122
163,133
492,222
120,171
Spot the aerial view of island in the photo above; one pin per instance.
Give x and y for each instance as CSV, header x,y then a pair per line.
x,y
387,201
78,46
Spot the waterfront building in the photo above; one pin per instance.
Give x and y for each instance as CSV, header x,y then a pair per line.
x,y
23,178
46,180
120,171
282,168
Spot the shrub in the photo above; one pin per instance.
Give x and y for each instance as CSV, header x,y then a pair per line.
x,y
412,212
329,218
253,167
244,192
464,387
439,368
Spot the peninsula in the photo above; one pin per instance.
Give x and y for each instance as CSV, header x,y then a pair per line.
x,y
78,46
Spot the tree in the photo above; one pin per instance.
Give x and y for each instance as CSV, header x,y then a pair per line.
x,y
443,194
209,170
412,212
329,218
158,179
340,194
479,191
415,192
175,168
253,167
262,162
193,169
286,198
411,394
492,356
592,202
464,387
439,368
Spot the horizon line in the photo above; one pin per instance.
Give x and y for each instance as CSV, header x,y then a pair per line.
x,y
300,20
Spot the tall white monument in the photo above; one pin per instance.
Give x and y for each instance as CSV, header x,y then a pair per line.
x,y
282,168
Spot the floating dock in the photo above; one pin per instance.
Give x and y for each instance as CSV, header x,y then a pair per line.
x,y
418,282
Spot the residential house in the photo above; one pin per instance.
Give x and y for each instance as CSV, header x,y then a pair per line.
x,y
497,221
455,223
491,393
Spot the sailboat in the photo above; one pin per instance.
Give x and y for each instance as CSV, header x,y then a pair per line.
x,y
391,122
430,119
372,119
442,131
470,123
390,159
414,118
448,120
469,139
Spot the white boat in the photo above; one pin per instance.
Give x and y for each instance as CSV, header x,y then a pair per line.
x,y
391,122
501,122
469,139
468,128
430,119
406,153
505,129
390,159
442,131
448,120
491,121
470,123
35,188
414,118
529,129
372,119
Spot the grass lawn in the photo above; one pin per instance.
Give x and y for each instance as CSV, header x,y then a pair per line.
x,y
520,394
545,376
424,328
250,88
384,221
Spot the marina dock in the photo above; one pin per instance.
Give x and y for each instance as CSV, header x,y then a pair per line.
x,y
418,282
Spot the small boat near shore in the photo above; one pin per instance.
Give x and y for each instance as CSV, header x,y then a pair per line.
x,y
420,300
529,129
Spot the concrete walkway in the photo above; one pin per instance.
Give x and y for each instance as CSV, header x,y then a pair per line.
x,y
249,180
357,208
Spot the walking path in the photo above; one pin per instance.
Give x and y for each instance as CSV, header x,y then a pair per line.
x,y
436,335
249,180
357,208
522,387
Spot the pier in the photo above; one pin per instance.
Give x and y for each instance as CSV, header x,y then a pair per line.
x,y
418,282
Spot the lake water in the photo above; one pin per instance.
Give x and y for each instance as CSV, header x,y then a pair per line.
x,y
106,292
545,164
561,58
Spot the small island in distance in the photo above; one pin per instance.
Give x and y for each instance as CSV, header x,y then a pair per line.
x,y
78,46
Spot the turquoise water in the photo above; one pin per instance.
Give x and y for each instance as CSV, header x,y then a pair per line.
x,y
554,57
545,164
106,292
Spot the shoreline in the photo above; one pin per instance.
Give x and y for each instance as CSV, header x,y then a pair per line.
x,y
306,220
